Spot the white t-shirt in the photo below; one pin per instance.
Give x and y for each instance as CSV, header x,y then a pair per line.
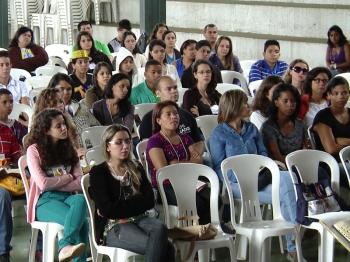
x,y
257,119
314,108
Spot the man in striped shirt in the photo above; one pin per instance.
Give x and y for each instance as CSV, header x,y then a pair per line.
x,y
270,65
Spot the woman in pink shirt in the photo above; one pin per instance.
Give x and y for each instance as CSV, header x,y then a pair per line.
x,y
55,179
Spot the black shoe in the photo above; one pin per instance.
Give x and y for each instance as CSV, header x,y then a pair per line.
x,y
5,258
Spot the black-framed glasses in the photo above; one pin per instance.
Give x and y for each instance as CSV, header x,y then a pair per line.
x,y
298,69
318,80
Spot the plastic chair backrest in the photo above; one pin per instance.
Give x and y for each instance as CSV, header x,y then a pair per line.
x,y
91,136
183,178
20,74
246,168
246,65
141,154
223,87
344,155
95,155
21,108
181,95
254,86
50,70
59,50
228,76
38,82
207,123
85,184
306,162
311,136
346,76
22,165
142,109
57,61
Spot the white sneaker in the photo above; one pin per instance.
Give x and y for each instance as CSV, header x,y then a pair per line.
x,y
68,252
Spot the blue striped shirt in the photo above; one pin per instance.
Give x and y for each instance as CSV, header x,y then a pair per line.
x,y
260,70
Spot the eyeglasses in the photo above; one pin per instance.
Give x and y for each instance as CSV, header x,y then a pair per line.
x,y
318,80
298,69
208,72
120,142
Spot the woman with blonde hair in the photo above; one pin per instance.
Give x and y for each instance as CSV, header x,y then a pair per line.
x,y
235,136
296,74
122,196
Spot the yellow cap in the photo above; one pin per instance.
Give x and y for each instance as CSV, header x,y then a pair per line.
x,y
80,54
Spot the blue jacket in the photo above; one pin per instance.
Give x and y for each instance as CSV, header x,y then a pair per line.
x,y
225,142
260,70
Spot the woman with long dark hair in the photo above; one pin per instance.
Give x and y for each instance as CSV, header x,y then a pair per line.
x,y
55,178
129,42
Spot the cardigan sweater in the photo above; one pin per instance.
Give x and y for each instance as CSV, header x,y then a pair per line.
x,y
105,191
40,182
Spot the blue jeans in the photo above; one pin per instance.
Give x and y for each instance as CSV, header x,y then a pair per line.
x,y
148,237
5,221
287,200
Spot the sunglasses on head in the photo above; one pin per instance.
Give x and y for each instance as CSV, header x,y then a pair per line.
x,y
298,69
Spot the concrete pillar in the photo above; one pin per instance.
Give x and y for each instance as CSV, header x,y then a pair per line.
x,y
151,13
4,25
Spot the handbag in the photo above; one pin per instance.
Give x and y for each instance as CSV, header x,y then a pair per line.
x,y
192,233
313,199
13,183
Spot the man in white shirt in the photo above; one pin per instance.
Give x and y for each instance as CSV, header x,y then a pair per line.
x,y
18,89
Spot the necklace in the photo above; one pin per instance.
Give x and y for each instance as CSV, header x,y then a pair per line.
x,y
117,175
177,155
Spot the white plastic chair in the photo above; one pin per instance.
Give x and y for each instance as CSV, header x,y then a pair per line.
x,y
95,155
115,254
246,65
141,110
56,61
19,74
207,123
183,178
306,162
141,150
91,136
251,224
253,87
346,76
311,136
59,50
97,4
49,230
228,76
18,109
344,155
181,95
37,82
50,70
223,87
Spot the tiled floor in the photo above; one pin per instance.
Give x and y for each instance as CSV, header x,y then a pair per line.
x,y
21,236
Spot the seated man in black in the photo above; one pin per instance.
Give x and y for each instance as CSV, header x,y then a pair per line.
x,y
166,89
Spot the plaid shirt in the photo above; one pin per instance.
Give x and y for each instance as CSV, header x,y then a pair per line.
x,y
9,144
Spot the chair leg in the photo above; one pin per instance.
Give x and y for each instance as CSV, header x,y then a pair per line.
x,y
32,246
326,246
298,246
233,250
99,257
242,247
213,255
255,247
266,251
203,255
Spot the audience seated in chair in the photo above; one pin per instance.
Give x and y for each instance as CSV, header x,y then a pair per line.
x,y
129,42
296,74
115,107
123,196
270,65
24,54
203,98
145,92
202,53
188,55
157,33
315,94
116,43
235,136
210,33
262,100
125,64
167,147
171,53
101,76
55,178
19,90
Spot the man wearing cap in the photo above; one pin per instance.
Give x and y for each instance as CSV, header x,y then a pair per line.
x,y
81,79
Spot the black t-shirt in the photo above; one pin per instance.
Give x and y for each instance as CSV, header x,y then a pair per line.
x,y
188,125
188,80
79,88
326,117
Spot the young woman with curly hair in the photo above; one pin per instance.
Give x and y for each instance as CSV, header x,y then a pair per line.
x,y
55,178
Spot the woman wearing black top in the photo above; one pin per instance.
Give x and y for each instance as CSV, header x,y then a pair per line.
x,y
203,99
123,195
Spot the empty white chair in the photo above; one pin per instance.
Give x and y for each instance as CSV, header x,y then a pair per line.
x,y
95,156
223,87
207,123
306,162
251,223
141,154
37,82
20,74
228,76
253,87
50,70
311,136
114,254
246,65
344,155
59,50
18,109
91,136
346,76
56,61
50,230
185,189
141,110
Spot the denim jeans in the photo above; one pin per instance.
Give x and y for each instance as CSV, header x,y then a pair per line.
x,y
5,221
287,201
148,237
